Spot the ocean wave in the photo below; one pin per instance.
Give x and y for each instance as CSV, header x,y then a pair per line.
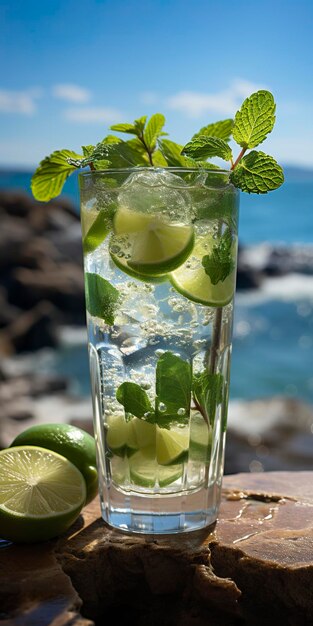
x,y
290,288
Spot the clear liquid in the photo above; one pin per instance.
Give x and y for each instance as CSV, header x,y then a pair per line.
x,y
159,345
153,319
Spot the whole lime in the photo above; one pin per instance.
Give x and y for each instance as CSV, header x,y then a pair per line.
x,y
71,442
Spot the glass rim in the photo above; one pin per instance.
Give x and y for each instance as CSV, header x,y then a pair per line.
x,y
142,168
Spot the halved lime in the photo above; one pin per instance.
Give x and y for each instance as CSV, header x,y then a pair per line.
x,y
191,280
145,471
149,245
41,494
74,443
171,446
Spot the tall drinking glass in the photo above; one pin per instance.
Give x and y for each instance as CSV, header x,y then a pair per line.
x,y
160,250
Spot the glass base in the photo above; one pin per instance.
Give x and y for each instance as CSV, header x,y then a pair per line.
x,y
161,514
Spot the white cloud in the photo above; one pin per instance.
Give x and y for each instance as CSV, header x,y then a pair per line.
x,y
93,115
148,97
71,93
195,104
21,102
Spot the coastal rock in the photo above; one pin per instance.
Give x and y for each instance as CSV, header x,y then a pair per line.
x,y
8,313
15,203
31,330
254,567
63,286
14,232
278,259
269,434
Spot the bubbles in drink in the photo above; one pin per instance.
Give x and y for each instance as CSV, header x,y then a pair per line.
x,y
162,407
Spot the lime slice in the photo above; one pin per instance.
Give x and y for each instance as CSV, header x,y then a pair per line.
x,y
191,280
171,446
200,439
74,443
145,471
41,494
131,440
149,245
117,433
122,265
97,232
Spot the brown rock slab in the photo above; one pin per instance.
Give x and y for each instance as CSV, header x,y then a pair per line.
x,y
254,567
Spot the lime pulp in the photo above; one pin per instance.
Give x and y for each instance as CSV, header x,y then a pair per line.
x,y
41,493
147,244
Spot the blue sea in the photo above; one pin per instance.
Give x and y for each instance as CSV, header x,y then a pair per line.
x,y
273,327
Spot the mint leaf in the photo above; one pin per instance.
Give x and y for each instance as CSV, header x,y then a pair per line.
x,y
112,139
257,173
220,129
52,172
207,392
99,229
140,124
101,297
219,264
124,128
87,150
255,119
158,159
134,400
116,155
173,389
172,154
153,130
203,147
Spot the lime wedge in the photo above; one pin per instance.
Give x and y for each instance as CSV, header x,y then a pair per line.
x,y
191,280
171,446
145,471
144,432
200,439
41,494
149,245
119,470
117,433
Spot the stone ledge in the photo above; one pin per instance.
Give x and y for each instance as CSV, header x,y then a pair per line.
x,y
256,565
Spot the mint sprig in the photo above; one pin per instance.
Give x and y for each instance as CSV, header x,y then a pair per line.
x,y
207,390
219,264
254,173
101,298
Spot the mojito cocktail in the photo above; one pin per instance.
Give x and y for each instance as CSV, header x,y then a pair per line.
x,y
160,251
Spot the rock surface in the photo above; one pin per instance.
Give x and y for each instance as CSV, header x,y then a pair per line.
x,y
255,567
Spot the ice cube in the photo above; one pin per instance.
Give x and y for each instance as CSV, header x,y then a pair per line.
x,y
159,192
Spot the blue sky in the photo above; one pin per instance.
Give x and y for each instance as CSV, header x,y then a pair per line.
x,y
71,68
